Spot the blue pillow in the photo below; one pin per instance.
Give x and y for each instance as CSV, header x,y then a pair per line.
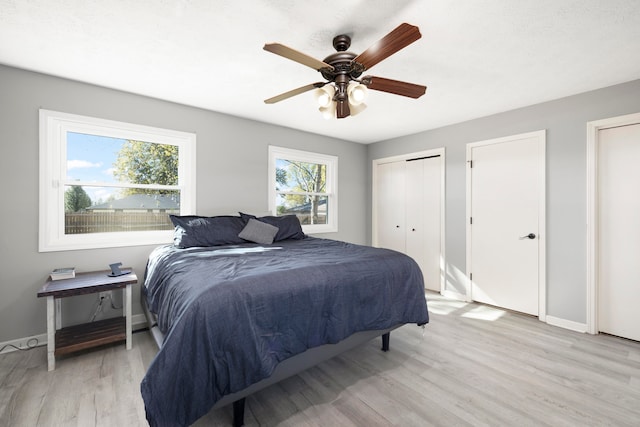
x,y
192,230
288,225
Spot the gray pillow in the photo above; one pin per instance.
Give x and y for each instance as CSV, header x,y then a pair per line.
x,y
259,232
289,225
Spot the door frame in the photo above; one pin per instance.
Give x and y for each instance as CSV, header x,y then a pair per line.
x,y
542,277
374,199
593,128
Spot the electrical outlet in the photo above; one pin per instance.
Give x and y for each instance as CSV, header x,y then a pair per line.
x,y
103,295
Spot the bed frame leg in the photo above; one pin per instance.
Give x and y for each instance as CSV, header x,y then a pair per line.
x,y
385,341
238,413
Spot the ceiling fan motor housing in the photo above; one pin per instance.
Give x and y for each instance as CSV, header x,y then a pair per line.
x,y
342,61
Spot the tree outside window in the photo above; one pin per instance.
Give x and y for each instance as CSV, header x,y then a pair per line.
x,y
302,187
146,163
303,184
76,199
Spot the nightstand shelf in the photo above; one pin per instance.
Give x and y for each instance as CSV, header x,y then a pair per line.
x,y
80,337
87,335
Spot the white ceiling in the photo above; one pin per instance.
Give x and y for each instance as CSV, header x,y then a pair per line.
x,y
477,57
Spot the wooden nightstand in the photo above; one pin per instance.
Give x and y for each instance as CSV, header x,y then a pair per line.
x,y
79,337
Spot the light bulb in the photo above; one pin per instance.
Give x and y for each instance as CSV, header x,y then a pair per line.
x,y
357,93
324,99
324,95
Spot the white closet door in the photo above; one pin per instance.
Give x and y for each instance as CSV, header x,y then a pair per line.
x,y
391,205
619,231
423,217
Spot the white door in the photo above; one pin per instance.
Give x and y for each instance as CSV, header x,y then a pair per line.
x,y
506,186
619,231
390,206
423,227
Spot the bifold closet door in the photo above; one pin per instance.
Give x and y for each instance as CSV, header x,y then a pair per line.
x,y
408,204
391,206
423,229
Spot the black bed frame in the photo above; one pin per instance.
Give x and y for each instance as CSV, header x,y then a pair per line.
x,y
285,369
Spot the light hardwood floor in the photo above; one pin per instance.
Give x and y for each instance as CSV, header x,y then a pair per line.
x,y
474,366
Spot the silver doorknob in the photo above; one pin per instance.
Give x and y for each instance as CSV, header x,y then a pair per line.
x,y
528,236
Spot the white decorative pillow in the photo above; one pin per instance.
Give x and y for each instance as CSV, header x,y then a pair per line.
x,y
258,232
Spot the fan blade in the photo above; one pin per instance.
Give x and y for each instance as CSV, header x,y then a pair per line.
x,y
294,55
401,37
294,92
394,86
342,109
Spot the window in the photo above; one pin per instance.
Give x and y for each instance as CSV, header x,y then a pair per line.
x,y
304,184
107,184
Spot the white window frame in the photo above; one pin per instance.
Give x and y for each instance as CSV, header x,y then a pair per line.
x,y
54,126
331,163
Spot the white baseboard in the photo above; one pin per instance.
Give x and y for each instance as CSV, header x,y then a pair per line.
x,y
454,295
23,343
566,324
138,321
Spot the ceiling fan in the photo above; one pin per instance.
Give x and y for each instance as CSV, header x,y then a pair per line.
x,y
343,91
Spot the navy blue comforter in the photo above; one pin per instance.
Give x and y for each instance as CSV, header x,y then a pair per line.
x,y
230,314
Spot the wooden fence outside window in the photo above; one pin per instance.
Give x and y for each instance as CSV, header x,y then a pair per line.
x,y
104,222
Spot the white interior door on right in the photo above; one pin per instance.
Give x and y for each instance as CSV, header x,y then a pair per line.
x,y
619,231
506,185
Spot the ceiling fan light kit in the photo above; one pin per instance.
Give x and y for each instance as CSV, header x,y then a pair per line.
x,y
344,92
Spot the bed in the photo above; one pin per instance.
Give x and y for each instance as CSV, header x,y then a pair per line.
x,y
235,306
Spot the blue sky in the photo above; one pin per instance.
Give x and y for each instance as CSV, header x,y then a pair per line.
x,y
90,158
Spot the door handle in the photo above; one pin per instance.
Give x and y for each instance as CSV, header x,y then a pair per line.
x,y
528,236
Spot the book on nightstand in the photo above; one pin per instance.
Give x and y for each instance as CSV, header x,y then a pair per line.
x,y
63,273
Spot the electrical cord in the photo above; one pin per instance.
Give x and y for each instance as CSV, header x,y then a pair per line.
x,y
31,344
113,306
98,308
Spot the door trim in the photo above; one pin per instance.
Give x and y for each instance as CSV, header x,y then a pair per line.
x,y
374,198
593,128
542,276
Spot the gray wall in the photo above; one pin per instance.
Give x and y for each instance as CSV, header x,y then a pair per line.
x,y
232,173
231,176
565,121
